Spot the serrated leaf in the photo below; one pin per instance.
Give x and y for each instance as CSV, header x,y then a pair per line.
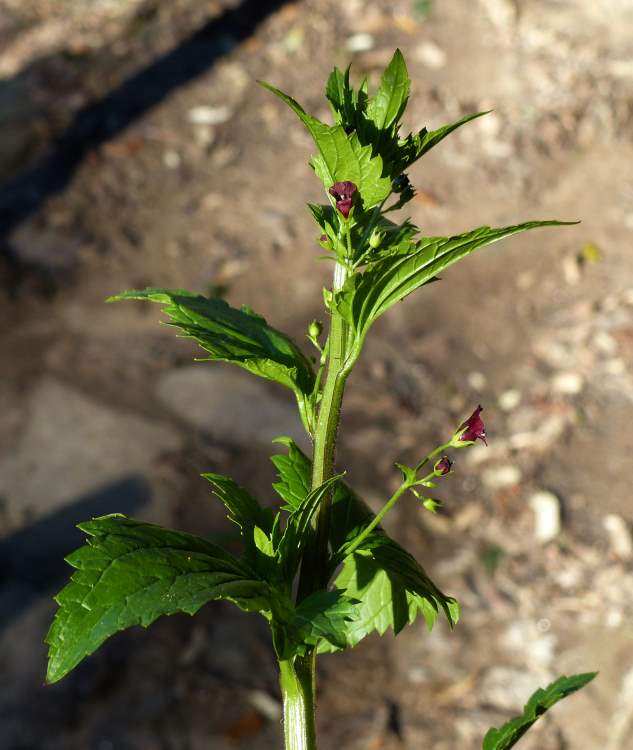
x,y
297,532
243,509
510,733
385,108
131,573
238,336
392,588
341,156
322,617
415,145
366,296
347,105
294,469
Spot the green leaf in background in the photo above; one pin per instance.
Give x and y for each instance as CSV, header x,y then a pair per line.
x,y
386,107
342,156
366,296
238,336
131,573
543,699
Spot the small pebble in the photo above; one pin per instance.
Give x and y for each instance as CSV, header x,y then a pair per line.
x,y
360,42
510,399
547,522
477,380
568,383
203,115
499,477
615,366
171,159
619,536
431,55
571,270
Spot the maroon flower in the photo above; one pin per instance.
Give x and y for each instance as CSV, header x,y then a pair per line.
x,y
343,193
474,428
443,466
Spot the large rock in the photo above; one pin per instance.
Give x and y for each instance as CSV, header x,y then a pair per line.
x,y
74,450
229,404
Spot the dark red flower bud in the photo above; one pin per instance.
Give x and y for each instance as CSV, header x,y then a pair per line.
x,y
474,427
323,238
343,193
443,466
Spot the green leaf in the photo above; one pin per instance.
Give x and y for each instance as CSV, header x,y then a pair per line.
x,y
543,699
238,336
322,617
243,509
298,528
342,156
347,105
294,469
131,573
386,107
366,296
415,145
391,586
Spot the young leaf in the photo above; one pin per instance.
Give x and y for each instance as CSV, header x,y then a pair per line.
x,y
386,107
130,573
342,156
347,105
244,510
238,336
366,296
543,699
298,528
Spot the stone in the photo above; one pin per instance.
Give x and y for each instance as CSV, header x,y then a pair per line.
x,y
568,383
547,520
619,536
498,477
229,404
510,399
72,448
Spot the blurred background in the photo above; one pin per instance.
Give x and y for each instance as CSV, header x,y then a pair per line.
x,y
136,149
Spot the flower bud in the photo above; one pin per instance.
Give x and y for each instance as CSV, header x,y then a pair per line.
x,y
315,329
471,430
443,466
376,238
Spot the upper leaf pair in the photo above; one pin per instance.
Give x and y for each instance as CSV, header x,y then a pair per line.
x,y
363,146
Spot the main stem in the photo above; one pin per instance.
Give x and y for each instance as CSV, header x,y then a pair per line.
x,y
298,677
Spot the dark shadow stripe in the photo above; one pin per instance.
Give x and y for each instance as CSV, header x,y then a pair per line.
x,y
105,118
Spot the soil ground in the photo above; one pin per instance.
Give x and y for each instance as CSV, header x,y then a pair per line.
x,y
198,180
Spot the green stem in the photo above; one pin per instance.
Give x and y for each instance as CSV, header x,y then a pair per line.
x,y
296,679
314,568
376,520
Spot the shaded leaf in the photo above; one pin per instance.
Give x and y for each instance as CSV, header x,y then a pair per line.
x,y
510,733
131,573
341,156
